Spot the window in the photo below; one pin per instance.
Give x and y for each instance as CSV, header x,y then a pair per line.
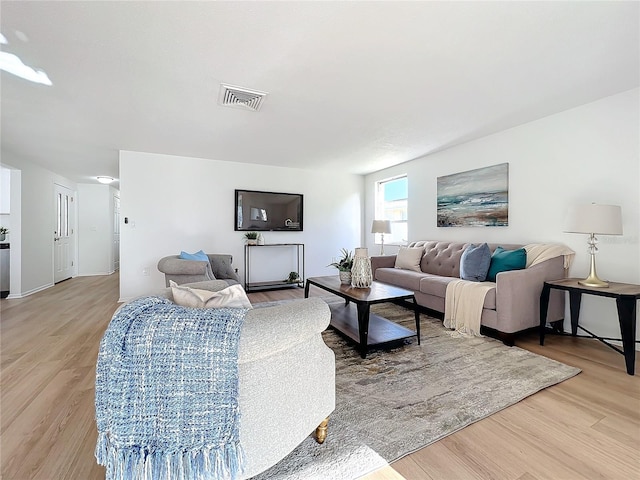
x,y
391,197
62,215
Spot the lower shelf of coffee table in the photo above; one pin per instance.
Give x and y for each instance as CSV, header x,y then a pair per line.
x,y
344,318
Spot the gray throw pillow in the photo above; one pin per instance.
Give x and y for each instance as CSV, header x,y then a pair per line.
x,y
475,262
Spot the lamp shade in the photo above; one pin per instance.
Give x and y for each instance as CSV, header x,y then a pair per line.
x,y
594,218
381,226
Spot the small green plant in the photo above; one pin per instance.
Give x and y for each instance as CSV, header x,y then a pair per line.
x,y
4,230
293,277
345,263
251,235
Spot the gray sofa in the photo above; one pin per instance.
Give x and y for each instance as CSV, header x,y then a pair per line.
x,y
188,271
286,377
511,306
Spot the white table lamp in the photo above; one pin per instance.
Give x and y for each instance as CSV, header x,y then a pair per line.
x,y
381,227
594,219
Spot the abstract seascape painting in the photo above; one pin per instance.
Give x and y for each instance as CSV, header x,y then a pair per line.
x,y
475,198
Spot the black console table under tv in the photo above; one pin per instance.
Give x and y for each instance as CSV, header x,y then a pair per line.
x,y
250,286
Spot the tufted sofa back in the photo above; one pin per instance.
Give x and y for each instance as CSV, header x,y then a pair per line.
x,y
443,258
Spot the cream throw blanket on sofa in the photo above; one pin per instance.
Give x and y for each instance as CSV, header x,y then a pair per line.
x,y
463,306
464,299
541,252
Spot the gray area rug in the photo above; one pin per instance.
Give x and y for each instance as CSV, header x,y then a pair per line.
x,y
397,401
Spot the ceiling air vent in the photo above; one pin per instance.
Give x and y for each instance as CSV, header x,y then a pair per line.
x,y
238,97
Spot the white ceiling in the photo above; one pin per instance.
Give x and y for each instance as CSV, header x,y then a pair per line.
x,y
353,86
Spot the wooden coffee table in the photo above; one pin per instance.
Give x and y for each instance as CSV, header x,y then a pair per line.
x,y
359,324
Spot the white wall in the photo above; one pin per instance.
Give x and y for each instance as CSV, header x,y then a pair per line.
x,y
5,190
587,154
180,203
5,200
32,235
15,235
95,229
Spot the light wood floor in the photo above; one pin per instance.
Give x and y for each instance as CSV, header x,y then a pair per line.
x,y
587,427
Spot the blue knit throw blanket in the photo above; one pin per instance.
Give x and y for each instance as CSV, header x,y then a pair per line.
x,y
167,393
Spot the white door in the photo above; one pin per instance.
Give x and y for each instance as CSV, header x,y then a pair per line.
x,y
116,232
64,234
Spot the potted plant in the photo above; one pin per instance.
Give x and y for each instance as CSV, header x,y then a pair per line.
x,y
344,265
293,278
3,233
252,238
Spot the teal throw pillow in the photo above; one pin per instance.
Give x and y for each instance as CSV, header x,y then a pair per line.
x,y
198,256
504,260
474,262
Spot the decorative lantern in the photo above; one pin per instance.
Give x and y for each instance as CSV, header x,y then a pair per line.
x,y
361,274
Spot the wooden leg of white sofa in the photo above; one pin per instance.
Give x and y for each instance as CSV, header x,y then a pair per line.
x,y
321,431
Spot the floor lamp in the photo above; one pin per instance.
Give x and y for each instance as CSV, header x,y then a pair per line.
x,y
594,219
381,227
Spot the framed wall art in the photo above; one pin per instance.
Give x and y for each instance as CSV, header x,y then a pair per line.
x,y
475,198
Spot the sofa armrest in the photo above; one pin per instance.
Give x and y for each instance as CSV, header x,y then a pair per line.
x,y
518,296
382,261
179,266
221,266
270,330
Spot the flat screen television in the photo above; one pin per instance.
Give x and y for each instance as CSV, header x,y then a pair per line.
x,y
268,211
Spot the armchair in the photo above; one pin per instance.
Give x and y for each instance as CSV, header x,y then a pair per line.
x,y
286,384
188,271
286,378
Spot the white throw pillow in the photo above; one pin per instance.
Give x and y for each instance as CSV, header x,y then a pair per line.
x,y
230,297
409,258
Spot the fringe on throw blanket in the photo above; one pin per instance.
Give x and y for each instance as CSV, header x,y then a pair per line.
x,y
167,393
143,464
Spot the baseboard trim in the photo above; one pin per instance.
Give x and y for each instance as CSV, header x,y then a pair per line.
x,y
96,274
29,292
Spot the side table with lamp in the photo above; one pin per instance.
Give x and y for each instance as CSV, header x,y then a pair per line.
x,y
594,219
604,220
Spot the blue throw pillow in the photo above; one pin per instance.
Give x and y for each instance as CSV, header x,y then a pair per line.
x,y
198,256
474,263
504,260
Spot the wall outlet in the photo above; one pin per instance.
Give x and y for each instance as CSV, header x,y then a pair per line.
x,y
145,271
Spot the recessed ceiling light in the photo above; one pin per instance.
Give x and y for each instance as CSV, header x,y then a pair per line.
x,y
105,180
